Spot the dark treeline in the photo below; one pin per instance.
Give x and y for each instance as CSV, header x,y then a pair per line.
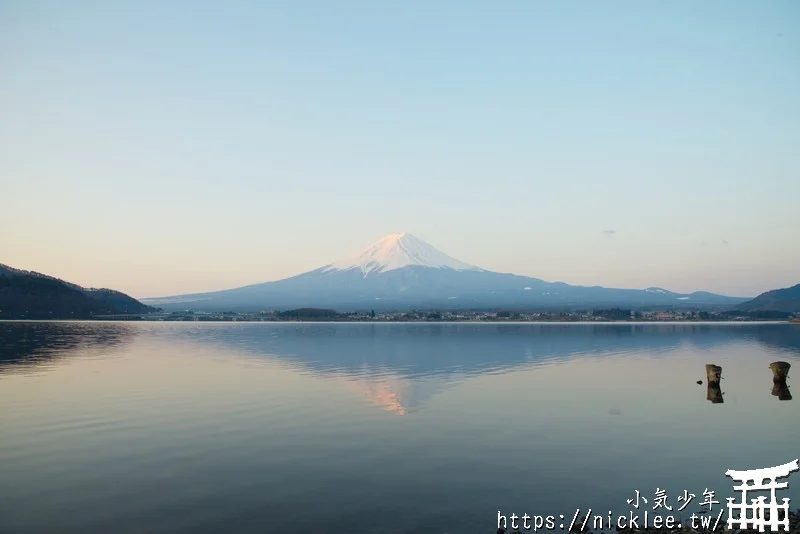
x,y
760,314
30,296
612,314
309,313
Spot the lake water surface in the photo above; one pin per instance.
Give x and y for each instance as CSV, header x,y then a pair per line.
x,y
377,428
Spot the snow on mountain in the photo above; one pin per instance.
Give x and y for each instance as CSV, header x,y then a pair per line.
x,y
396,251
401,271
657,290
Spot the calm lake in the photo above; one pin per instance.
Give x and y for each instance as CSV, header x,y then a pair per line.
x,y
378,428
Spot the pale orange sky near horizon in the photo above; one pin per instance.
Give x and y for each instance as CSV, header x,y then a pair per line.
x,y
160,149
205,269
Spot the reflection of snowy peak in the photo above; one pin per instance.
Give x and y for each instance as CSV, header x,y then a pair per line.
x,y
397,394
396,251
401,272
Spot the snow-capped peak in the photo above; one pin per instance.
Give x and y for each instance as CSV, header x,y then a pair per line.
x,y
656,290
396,251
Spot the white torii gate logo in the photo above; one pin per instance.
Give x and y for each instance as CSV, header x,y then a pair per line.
x,y
762,513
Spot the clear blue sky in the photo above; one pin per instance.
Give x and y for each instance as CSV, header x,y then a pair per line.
x,y
170,147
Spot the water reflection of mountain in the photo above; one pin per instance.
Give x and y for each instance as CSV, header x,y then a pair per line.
x,y
397,394
425,350
400,366
785,339
29,345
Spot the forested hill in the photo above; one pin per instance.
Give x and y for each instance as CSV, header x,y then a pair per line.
x,y
785,300
31,295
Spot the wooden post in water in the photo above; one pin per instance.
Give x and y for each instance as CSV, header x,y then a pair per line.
x,y
714,394
781,390
713,374
780,372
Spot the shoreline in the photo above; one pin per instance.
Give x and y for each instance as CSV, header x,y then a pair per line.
x,y
335,321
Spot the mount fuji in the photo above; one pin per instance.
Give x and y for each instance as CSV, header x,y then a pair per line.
x,y
401,271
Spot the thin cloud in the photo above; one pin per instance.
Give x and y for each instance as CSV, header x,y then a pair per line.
x,y
609,233
723,242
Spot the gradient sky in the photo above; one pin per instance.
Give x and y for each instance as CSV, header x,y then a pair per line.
x,y
172,147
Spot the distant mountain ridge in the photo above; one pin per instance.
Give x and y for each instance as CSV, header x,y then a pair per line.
x,y
784,300
32,295
401,271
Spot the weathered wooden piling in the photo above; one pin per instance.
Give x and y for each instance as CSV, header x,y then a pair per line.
x,y
713,374
780,372
714,394
781,390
